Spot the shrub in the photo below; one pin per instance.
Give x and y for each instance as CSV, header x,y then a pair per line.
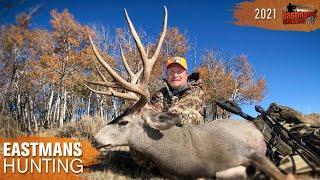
x,y
86,127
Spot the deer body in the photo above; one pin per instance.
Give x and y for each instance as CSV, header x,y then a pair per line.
x,y
196,151
199,150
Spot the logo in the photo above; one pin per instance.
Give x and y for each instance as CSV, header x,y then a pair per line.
x,y
299,14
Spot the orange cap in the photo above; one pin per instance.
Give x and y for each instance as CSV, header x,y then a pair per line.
x,y
177,60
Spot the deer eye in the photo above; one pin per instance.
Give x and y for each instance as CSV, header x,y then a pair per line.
x,y
123,123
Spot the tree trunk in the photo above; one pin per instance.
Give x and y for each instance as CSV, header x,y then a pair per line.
x,y
63,108
56,110
100,101
32,115
74,108
27,119
19,116
89,103
49,108
115,107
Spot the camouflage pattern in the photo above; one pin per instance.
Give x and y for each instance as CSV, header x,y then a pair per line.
x,y
296,124
187,101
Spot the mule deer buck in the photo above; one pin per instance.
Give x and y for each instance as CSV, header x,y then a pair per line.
x,y
217,148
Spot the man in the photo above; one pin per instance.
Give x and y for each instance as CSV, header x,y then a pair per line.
x,y
182,95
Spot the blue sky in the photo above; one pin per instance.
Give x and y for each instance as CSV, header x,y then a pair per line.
x,y
290,61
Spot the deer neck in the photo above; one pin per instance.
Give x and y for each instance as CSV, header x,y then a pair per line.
x,y
147,139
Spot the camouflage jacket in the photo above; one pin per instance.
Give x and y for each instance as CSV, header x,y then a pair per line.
x,y
187,101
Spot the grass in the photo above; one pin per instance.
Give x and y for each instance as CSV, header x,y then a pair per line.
x,y
86,127
312,119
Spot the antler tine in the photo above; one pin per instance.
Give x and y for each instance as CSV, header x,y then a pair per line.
x,y
162,36
112,92
135,80
125,85
105,84
133,77
136,37
126,65
148,63
153,59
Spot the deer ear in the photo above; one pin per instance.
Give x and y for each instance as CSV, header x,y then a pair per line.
x,y
163,121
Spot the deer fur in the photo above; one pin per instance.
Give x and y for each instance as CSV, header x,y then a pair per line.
x,y
197,151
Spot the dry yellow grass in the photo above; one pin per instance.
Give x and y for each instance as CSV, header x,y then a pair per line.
x,y
312,119
86,127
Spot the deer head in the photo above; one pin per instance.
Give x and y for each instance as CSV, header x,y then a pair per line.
x,y
129,128
116,132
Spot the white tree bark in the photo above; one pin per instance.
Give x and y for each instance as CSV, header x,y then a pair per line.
x,y
63,108
49,107
101,107
89,104
115,107
32,115
56,110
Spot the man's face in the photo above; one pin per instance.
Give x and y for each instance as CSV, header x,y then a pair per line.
x,y
177,76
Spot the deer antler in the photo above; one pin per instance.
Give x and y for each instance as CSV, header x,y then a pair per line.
x,y
133,87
